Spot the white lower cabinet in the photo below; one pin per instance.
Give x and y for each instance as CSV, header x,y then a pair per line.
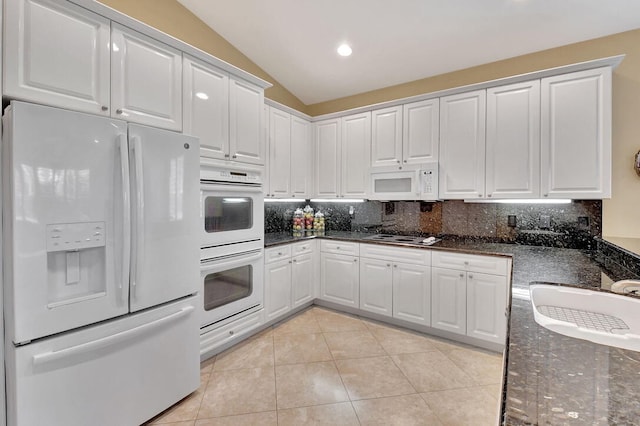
x,y
289,278
486,305
449,300
340,279
412,293
277,288
468,302
376,286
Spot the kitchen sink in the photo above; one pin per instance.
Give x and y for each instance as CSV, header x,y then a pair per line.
x,y
599,317
408,239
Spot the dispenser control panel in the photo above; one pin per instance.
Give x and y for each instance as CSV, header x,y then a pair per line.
x,y
75,236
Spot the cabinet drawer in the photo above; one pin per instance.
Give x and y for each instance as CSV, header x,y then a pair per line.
x,y
302,247
396,254
230,332
274,254
340,247
470,262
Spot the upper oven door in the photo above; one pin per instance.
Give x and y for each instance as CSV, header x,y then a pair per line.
x,y
231,213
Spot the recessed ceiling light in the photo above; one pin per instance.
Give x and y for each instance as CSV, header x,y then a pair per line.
x,y
344,50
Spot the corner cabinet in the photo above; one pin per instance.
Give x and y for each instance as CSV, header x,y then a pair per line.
x,y
576,135
68,67
462,145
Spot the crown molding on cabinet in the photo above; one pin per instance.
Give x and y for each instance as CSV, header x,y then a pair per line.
x,y
611,61
285,108
134,24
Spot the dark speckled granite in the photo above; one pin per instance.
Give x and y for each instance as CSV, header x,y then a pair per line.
x,y
552,379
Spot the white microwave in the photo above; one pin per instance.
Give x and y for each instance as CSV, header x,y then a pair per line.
x,y
414,182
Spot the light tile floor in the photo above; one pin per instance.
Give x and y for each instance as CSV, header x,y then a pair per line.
x,y
322,367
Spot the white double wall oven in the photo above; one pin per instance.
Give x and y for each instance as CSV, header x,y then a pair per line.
x,y
232,242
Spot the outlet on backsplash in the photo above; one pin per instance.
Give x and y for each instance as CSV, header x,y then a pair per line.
x,y
511,221
544,221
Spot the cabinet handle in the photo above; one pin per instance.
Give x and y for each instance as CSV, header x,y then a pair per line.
x,y
226,156
104,108
118,111
234,156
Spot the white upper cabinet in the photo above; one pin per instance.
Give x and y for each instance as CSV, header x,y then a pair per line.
x,y
56,53
421,132
279,152
356,151
246,103
386,137
513,141
146,80
327,136
576,135
206,107
301,167
462,145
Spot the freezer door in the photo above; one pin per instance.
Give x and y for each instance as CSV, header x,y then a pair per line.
x,y
65,209
165,177
121,372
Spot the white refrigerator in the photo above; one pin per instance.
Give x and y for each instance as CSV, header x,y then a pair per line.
x,y
101,267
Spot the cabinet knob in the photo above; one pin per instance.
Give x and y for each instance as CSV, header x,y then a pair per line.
x,y
480,195
466,263
388,265
289,261
337,247
395,266
405,161
400,168
231,333
118,111
226,156
355,260
546,195
398,161
461,275
295,260
470,276
104,108
293,195
489,195
234,156
279,253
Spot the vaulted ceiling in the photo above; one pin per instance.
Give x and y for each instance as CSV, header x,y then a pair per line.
x,y
397,41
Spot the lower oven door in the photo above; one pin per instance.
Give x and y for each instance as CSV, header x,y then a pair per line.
x,y
231,213
231,284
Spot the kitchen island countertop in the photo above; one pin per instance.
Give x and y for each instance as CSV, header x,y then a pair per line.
x,y
550,379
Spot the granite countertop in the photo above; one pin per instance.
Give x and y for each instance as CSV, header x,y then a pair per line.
x,y
550,379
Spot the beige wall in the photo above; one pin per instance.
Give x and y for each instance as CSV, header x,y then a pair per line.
x,y
174,19
621,213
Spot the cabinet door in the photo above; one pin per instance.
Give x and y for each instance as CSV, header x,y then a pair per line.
x,y
576,135
327,156
462,145
376,290
301,170
279,152
277,289
412,293
303,277
146,80
449,300
356,153
486,304
339,279
57,53
421,132
386,137
513,141
206,107
246,104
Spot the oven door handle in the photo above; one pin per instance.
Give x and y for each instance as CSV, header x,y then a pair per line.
x,y
227,262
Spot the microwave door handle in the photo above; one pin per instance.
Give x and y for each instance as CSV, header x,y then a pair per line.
x,y
126,215
139,201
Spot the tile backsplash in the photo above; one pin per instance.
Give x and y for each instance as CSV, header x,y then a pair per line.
x,y
559,225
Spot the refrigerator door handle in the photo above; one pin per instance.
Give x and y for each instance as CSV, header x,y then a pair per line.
x,y
95,345
139,183
126,215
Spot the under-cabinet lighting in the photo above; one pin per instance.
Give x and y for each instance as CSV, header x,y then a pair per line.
x,y
523,201
284,200
337,200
